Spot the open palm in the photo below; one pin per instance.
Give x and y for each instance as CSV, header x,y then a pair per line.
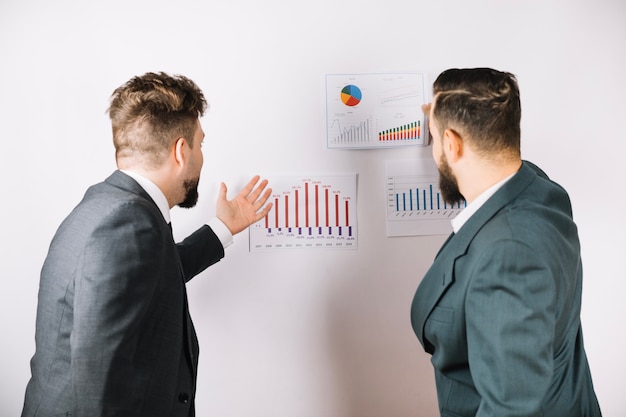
x,y
246,208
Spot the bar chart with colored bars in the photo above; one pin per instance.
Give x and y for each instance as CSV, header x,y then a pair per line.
x,y
414,202
409,131
309,212
374,110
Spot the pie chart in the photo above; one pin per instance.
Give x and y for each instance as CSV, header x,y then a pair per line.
x,y
351,95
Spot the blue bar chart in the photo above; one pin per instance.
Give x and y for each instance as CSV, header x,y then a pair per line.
x,y
308,212
414,202
419,195
375,110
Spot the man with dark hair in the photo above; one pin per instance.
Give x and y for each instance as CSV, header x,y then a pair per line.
x,y
499,309
113,332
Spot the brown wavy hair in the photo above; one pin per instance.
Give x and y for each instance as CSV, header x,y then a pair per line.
x,y
150,112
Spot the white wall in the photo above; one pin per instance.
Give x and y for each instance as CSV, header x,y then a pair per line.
x,y
323,333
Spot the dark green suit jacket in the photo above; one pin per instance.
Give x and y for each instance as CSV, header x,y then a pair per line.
x,y
499,309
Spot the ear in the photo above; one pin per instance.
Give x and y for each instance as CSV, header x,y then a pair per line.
x,y
178,153
452,145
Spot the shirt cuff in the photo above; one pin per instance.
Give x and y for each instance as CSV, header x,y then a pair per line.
x,y
222,232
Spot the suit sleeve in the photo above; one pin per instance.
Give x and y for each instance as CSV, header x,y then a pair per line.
x,y
199,250
117,277
510,325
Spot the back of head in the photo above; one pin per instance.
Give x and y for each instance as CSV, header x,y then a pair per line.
x,y
483,106
150,112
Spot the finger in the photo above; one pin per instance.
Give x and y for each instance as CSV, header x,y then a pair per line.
x,y
254,194
263,212
223,191
426,108
261,200
245,192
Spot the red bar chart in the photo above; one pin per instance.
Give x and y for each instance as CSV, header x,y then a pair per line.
x,y
308,212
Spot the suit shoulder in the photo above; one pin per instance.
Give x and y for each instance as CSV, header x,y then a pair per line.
x,y
543,221
547,192
104,203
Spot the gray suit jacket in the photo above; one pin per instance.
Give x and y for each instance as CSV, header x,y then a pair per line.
x,y
499,309
113,332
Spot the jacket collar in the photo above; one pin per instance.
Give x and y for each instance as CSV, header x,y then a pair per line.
x,y
121,180
439,277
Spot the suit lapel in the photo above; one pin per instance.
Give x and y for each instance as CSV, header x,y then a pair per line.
x,y
434,284
441,274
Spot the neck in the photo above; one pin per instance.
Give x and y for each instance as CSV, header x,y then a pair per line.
x,y
476,178
159,176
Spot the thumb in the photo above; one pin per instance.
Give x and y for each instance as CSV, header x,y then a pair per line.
x,y
223,191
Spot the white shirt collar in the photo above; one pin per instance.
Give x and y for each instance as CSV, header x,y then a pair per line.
x,y
153,191
473,207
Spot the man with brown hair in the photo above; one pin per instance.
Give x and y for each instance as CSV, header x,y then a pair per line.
x,y
113,332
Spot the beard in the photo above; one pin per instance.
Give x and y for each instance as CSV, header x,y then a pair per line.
x,y
191,193
448,184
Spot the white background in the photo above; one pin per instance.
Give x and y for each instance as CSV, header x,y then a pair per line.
x,y
323,333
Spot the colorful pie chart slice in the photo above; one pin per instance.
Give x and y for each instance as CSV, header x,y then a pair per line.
x,y
351,95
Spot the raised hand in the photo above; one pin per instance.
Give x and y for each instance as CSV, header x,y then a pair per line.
x,y
246,208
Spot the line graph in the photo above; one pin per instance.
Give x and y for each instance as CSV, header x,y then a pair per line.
x,y
409,94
